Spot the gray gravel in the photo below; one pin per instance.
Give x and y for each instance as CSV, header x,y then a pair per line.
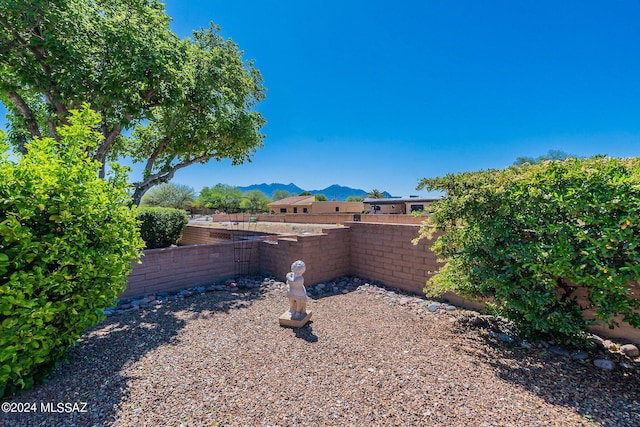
x,y
368,358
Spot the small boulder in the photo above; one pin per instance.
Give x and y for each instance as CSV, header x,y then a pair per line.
x,y
559,350
605,364
580,355
630,350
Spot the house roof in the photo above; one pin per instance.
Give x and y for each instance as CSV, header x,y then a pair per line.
x,y
295,200
400,200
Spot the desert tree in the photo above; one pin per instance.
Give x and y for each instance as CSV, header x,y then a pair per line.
x,y
164,102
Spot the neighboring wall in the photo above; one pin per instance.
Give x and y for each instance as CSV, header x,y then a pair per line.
x,y
321,218
199,235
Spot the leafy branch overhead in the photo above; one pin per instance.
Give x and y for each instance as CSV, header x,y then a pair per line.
x,y
181,101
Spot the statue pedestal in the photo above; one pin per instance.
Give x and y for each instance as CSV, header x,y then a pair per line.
x,y
286,320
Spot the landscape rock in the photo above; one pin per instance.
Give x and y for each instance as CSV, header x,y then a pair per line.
x,y
559,350
605,364
580,355
506,338
478,321
630,350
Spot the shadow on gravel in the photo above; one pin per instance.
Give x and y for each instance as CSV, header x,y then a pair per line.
x,y
306,333
92,376
608,398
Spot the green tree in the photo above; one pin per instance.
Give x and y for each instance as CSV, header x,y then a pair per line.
x,y
255,201
184,101
376,194
281,194
354,199
169,195
67,242
320,197
551,155
523,234
222,197
305,193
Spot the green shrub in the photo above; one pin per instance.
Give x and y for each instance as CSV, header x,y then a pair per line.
x,y
67,241
521,235
161,227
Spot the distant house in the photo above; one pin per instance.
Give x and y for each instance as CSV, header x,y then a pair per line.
x,y
307,204
398,205
295,204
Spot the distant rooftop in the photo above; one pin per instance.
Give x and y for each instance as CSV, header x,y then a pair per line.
x,y
293,201
407,199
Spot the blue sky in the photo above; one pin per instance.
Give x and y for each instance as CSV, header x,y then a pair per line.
x,y
379,94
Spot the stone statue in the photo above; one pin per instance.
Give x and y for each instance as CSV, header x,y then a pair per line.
x,y
295,290
297,315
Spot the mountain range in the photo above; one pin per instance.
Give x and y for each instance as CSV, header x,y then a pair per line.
x,y
337,192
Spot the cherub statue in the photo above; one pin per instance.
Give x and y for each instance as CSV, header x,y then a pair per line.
x,y
296,292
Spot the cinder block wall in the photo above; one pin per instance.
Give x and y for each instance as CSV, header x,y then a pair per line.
x,y
326,255
320,218
185,266
384,252
195,235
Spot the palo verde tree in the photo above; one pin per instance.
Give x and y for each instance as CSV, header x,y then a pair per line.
x,y
525,236
169,195
182,101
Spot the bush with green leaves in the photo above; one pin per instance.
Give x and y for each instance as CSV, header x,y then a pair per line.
x,y
67,242
521,236
161,227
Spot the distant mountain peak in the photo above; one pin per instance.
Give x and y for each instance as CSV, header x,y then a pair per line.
x,y
339,192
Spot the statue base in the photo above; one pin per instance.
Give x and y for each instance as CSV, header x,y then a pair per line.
x,y
286,320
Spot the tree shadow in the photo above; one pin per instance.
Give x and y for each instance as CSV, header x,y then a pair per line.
x,y
610,398
92,375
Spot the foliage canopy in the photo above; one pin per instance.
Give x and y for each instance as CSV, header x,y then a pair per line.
x,y
281,194
169,195
255,201
183,101
222,197
524,234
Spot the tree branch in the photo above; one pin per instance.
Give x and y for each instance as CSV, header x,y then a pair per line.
x,y
27,114
163,176
40,59
110,137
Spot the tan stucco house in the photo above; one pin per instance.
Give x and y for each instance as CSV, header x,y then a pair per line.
x,y
307,204
397,205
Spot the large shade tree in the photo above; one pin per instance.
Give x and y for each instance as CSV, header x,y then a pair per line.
x,y
164,102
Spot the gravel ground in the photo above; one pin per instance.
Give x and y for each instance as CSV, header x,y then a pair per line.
x,y
368,358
